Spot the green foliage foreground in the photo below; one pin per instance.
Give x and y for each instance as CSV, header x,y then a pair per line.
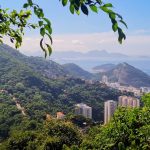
x,y
129,129
49,135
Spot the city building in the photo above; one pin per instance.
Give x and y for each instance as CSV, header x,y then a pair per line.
x,y
49,117
60,115
145,89
128,101
84,110
109,109
105,79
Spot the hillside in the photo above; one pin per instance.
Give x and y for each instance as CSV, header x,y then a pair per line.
x,y
45,67
24,78
30,99
77,71
128,75
103,68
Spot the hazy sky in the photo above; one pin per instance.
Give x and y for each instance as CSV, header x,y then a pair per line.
x,y
82,33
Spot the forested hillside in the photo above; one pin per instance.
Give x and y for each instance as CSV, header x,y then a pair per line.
x,y
25,84
126,74
30,98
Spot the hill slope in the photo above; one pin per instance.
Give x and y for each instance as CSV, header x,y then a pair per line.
x,y
77,71
24,78
103,68
45,67
128,75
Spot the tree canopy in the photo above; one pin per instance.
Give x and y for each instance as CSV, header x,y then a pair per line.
x,y
13,23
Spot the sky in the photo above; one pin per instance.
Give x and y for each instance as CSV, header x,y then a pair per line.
x,y
85,33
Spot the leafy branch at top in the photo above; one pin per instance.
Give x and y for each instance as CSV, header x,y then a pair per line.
x,y
13,24
44,24
84,6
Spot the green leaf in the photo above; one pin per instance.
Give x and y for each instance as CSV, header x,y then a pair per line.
x,y
99,2
119,16
33,26
124,23
105,9
78,12
112,15
47,21
49,49
121,35
115,27
40,23
84,9
50,38
64,2
42,47
30,2
48,28
94,8
72,8
42,31
40,13
25,5
108,5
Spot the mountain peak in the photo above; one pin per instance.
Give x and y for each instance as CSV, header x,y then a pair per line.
x,y
126,74
124,64
77,71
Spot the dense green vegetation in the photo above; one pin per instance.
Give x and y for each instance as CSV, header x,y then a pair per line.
x,y
42,87
23,85
129,129
39,93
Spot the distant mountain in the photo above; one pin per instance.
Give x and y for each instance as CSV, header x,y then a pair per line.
x,y
128,75
103,68
77,71
88,60
103,53
90,54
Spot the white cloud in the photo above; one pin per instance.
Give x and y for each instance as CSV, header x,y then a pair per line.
x,y
142,31
77,42
135,44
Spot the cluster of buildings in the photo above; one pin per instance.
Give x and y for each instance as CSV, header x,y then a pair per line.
x,y
84,110
109,108
124,101
116,85
59,115
145,89
128,101
80,109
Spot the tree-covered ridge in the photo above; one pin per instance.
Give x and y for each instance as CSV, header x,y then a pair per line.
x,y
129,129
41,96
44,67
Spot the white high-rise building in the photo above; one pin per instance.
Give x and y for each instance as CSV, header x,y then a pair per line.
x,y
109,109
128,101
83,109
105,79
145,89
